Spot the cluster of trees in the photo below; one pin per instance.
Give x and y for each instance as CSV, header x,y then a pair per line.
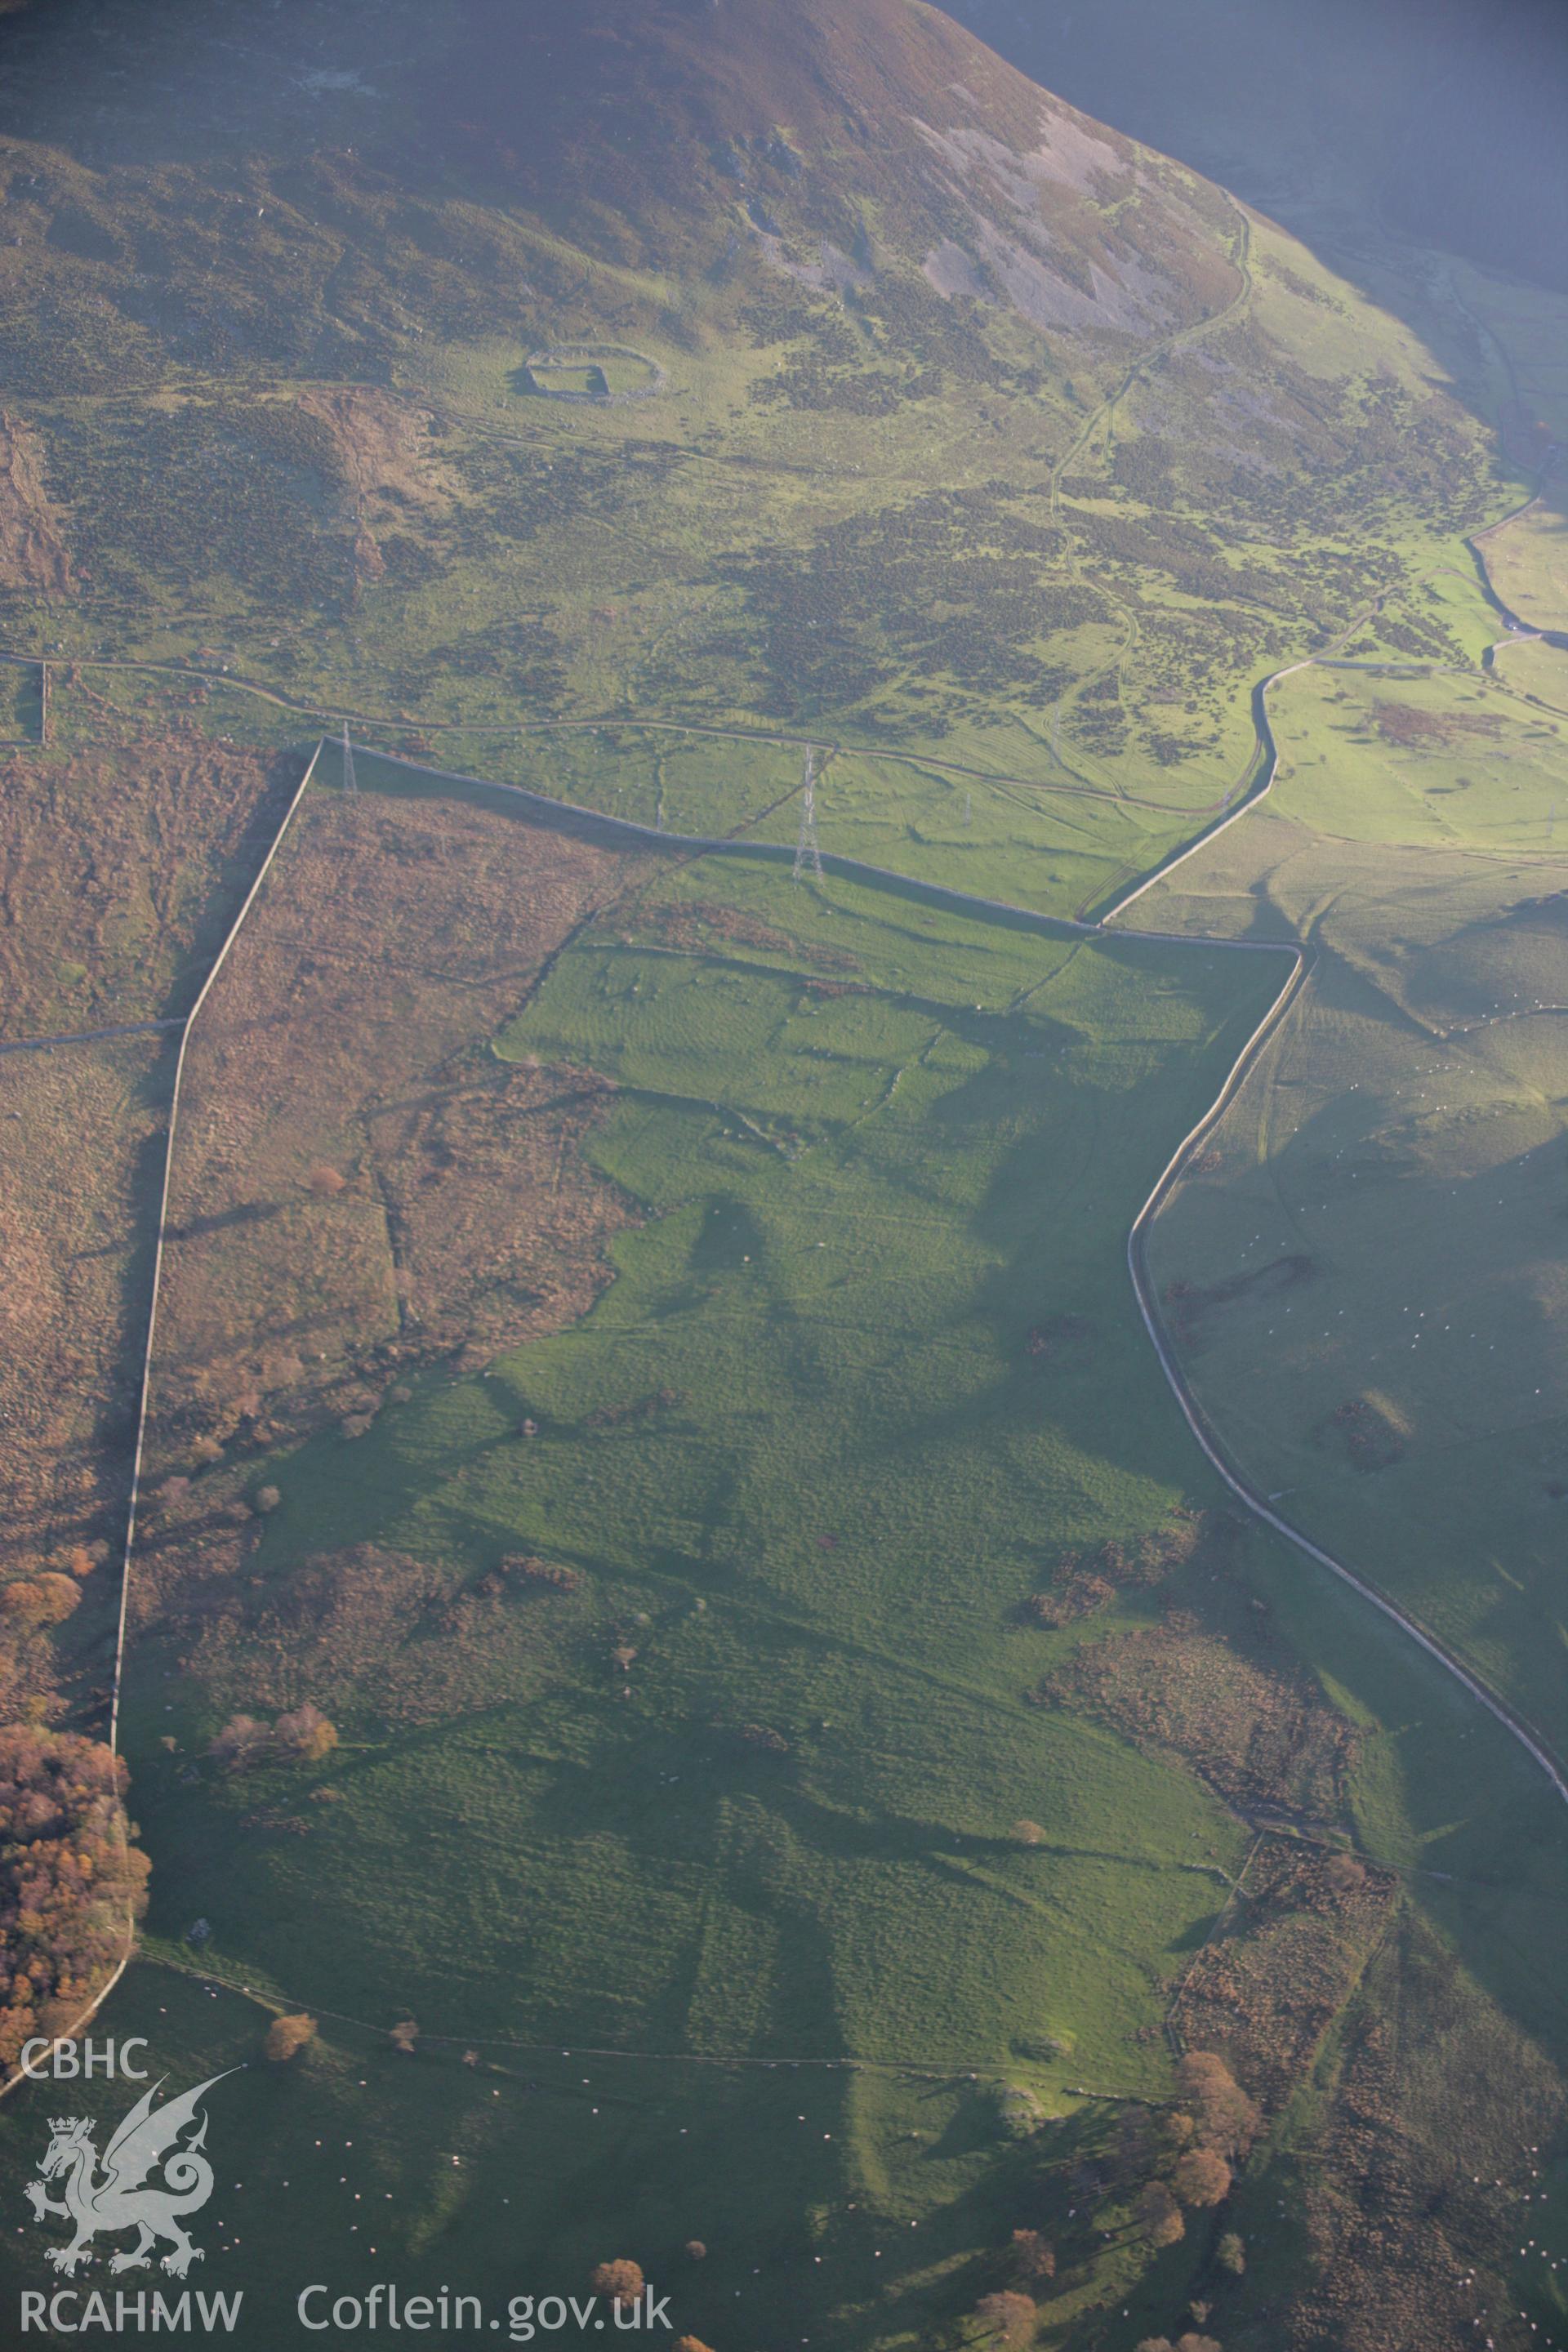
x,y
1206,2134
302,1735
70,1879
1008,2316
29,1603
621,2282
1219,2112
36,1602
50,1593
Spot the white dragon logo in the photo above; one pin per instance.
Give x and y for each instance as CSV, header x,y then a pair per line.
x,y
116,2198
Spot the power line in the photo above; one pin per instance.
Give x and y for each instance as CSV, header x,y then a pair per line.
x,y
806,849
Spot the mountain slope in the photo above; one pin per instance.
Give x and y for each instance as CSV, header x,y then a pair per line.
x,y
886,119
1445,115
977,425
881,125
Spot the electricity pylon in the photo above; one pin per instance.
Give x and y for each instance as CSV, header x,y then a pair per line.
x,y
806,848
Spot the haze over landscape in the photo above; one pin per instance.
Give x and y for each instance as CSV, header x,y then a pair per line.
x,y
782,1108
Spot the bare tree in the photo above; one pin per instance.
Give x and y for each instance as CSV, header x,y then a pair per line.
x,y
242,1743
305,1734
1033,2256
1160,2215
1006,2318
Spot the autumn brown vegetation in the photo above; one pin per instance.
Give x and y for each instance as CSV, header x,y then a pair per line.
x,y
287,2036
1085,1583
1032,2257
620,2280
30,1601
70,1879
354,1195
301,1735
1202,2177
339,1621
33,552
1258,1734
1427,730
1268,1983
1424,2084
78,1126
1224,2116
1160,2215
131,861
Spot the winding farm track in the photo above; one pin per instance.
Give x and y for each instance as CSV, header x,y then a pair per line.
x,y
605,722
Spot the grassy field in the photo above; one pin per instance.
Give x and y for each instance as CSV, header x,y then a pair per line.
x,y
1528,561
1537,670
1418,762
1363,1273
